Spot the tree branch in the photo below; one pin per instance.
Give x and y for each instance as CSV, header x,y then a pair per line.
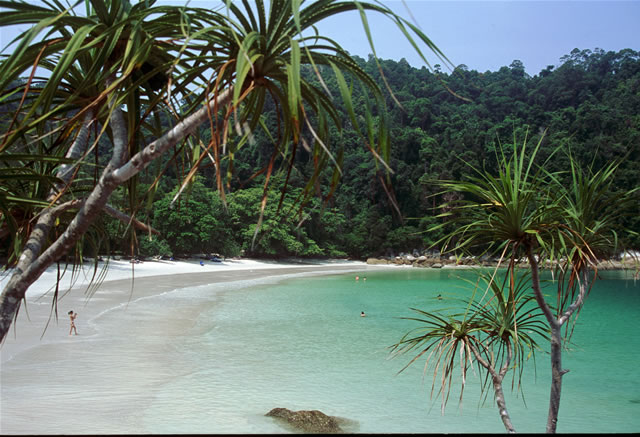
x,y
497,379
31,265
176,134
77,149
118,127
584,280
125,218
535,284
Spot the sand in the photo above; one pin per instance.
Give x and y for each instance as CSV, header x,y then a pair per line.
x,y
55,383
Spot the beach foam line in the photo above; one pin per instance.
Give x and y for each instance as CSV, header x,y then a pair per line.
x,y
119,269
123,324
121,283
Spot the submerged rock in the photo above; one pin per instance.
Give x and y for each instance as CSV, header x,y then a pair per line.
x,y
311,421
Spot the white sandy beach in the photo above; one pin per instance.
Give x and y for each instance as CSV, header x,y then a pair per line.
x,y
101,375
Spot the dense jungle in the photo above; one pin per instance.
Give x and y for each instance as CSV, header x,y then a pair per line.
x,y
442,124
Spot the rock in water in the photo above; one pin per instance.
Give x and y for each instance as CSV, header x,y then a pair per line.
x,y
311,421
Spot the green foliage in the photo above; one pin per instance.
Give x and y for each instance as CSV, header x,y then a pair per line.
x,y
522,210
326,226
279,234
131,71
589,121
368,231
152,246
499,327
196,222
437,136
447,122
503,210
405,238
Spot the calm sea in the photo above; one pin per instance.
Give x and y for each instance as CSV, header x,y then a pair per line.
x,y
215,359
301,344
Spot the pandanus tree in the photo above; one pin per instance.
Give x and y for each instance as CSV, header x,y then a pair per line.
x,y
563,222
497,329
94,83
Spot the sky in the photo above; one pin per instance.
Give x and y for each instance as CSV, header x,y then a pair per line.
x,y
487,35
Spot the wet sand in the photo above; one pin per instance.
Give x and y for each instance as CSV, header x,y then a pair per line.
x,y
96,382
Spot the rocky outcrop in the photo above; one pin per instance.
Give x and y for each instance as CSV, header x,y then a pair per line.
x,y
374,261
309,421
437,261
410,260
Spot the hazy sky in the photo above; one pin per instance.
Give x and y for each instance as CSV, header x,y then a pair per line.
x,y
486,35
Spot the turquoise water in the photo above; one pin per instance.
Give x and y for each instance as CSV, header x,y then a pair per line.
x,y
301,344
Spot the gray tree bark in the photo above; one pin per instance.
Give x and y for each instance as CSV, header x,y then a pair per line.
x,y
555,324
496,379
34,261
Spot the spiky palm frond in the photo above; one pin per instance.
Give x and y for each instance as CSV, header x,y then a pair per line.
x,y
99,79
508,315
590,207
445,340
501,210
499,330
71,56
264,53
524,210
162,55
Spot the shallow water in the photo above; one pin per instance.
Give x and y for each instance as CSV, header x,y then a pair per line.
x,y
215,359
302,345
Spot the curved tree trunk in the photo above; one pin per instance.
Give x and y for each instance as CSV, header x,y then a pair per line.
x,y
496,379
556,378
34,259
556,345
555,324
502,405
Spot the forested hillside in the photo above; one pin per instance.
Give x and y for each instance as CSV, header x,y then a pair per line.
x,y
589,105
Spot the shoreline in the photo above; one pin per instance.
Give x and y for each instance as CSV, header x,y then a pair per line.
x,y
36,325
112,378
125,350
438,262
124,282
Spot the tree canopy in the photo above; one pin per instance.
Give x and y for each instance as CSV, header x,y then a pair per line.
x,y
135,84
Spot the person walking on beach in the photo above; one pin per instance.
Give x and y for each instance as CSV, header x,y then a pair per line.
x,y
73,316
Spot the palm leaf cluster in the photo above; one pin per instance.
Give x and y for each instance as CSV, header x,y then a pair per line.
x,y
499,330
498,213
78,62
81,62
113,90
587,235
520,211
526,215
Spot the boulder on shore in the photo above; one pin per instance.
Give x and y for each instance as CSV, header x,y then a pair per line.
x,y
310,421
377,261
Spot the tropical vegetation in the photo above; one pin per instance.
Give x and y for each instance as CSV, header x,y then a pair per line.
x,y
562,221
136,129
435,133
102,91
